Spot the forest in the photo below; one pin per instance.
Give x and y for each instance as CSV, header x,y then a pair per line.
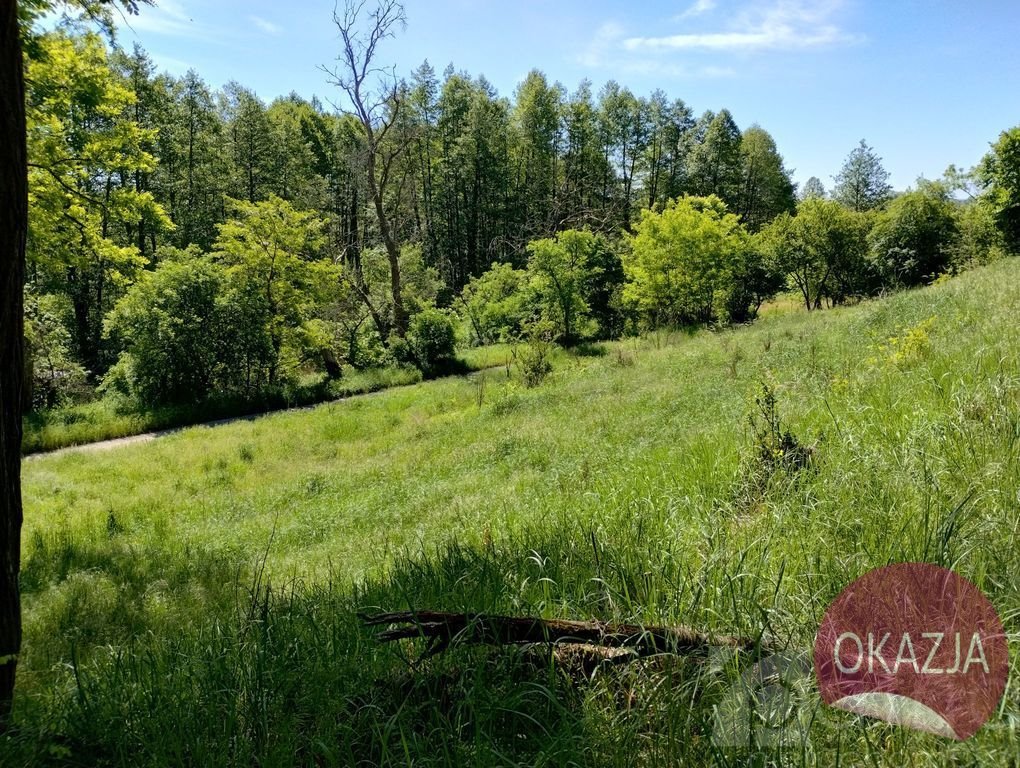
x,y
188,243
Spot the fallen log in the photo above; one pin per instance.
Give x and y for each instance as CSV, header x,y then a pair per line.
x,y
442,629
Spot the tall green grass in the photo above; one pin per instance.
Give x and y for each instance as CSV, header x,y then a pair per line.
x,y
193,600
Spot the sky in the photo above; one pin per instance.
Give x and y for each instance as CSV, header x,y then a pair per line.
x,y
926,83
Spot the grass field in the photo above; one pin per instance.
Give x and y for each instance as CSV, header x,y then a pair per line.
x,y
192,600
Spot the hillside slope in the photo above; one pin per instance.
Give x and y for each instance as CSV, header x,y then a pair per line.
x,y
630,486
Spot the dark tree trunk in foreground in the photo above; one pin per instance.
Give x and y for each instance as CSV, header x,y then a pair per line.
x,y
13,226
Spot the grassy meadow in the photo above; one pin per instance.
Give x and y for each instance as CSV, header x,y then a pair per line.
x,y
192,600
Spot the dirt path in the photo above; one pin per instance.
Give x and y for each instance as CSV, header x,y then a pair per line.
x,y
148,437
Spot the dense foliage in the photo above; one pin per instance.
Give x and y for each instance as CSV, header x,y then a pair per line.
x,y
186,243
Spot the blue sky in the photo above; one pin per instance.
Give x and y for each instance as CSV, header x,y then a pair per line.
x,y
926,82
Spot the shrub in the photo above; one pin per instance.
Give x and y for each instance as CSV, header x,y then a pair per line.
x,y
496,304
532,356
55,378
171,325
775,451
431,341
562,270
914,239
682,261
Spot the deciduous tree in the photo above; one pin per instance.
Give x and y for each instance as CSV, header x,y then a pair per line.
x,y
999,172
681,261
378,112
915,238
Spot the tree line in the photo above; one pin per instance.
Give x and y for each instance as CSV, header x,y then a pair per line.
x,y
185,242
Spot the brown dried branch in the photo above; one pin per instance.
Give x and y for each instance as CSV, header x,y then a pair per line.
x,y
443,629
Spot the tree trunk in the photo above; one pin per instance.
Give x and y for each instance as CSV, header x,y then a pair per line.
x,y
13,226
389,241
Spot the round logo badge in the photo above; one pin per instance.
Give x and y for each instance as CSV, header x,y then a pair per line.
x,y
916,645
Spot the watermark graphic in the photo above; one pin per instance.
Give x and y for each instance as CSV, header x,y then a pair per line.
x,y
916,645
770,703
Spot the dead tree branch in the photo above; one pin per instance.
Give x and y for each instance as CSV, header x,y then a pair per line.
x,y
443,629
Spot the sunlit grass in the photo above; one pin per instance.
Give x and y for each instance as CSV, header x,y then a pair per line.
x,y
616,490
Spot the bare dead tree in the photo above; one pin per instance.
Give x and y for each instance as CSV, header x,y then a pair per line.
x,y
374,97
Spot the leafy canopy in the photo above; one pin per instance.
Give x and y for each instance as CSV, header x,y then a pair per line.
x,y
681,261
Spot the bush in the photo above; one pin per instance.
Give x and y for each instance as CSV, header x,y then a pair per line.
x,y
532,357
682,261
496,304
55,378
171,325
563,271
914,239
431,341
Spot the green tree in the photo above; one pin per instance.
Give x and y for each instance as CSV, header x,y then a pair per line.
x,y
195,164
561,269
823,249
670,123
148,112
585,166
862,184
301,168
171,325
252,146
496,303
999,173
431,340
813,190
714,162
271,250
626,129
916,236
83,149
681,261
54,376
536,140
981,241
766,189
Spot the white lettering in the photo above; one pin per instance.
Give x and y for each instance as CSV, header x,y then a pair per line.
x,y
860,653
928,669
875,651
975,645
905,645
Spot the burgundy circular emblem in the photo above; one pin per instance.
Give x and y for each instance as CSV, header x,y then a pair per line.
x,y
916,645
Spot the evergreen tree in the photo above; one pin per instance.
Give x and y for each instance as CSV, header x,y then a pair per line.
x,y
862,184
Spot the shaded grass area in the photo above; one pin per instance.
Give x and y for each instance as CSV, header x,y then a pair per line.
x,y
112,418
192,601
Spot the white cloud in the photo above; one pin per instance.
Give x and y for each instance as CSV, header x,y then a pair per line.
x,y
757,27
266,26
606,51
607,39
170,64
699,8
169,17
784,25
